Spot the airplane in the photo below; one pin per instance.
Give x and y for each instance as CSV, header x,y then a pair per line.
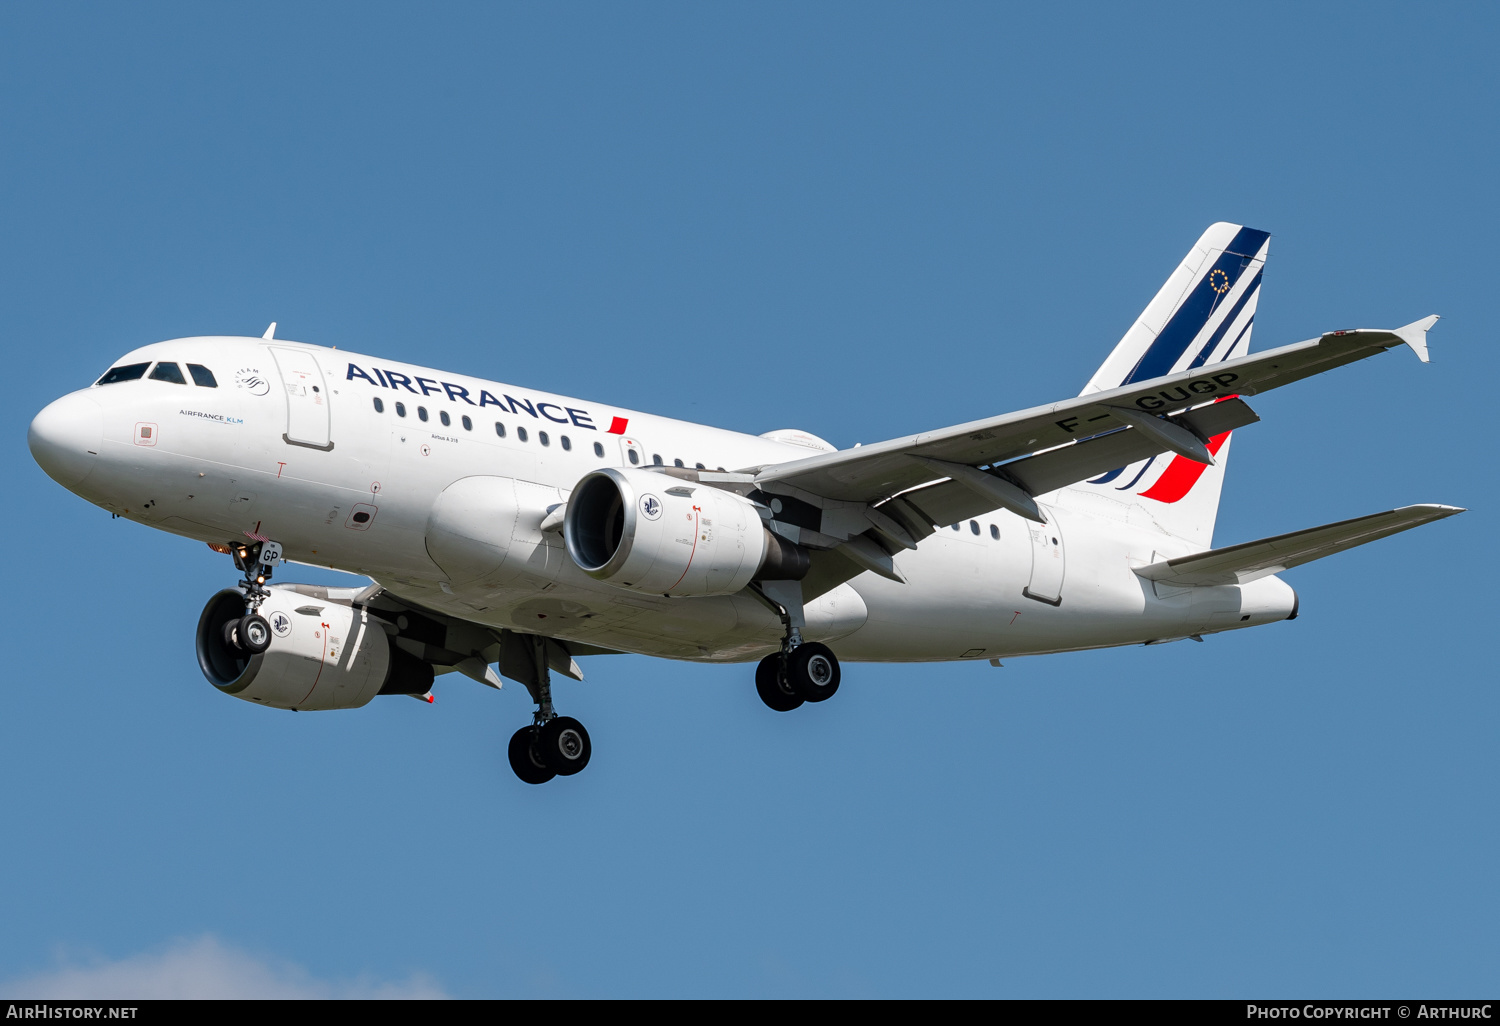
x,y
507,532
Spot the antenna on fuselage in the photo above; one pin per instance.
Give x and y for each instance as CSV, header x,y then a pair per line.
x,y
271,331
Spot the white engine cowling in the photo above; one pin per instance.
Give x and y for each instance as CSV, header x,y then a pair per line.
x,y
324,654
651,533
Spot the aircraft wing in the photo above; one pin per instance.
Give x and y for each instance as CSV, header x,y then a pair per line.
x,y
1250,561
873,473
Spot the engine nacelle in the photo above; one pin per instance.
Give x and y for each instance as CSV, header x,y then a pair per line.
x,y
651,533
324,654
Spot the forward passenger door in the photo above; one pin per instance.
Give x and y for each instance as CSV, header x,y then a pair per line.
x,y
307,419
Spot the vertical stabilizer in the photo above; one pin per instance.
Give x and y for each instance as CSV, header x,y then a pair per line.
x,y
1202,315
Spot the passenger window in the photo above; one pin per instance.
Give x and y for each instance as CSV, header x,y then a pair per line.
x,y
994,532
499,429
521,433
202,376
956,527
676,463
400,409
468,424
422,413
599,450
567,443
443,416
379,405
168,372
974,527
541,436
656,459
700,466
634,459
129,372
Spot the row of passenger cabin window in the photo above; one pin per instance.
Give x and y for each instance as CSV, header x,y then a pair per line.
x,y
657,461
974,529
523,436
468,424
163,371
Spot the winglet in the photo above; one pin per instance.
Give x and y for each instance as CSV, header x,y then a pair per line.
x,y
1415,335
270,332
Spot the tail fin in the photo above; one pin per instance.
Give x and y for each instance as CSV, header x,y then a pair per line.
x,y
1202,315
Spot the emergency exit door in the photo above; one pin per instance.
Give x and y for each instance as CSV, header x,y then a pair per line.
x,y
632,452
307,416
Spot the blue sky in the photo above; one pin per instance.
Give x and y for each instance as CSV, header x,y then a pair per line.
x,y
857,219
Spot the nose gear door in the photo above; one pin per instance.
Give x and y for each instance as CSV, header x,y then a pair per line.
x,y
307,418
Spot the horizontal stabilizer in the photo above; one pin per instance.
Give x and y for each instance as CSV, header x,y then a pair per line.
x,y
1250,561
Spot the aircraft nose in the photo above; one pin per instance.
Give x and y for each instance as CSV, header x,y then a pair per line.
x,y
65,438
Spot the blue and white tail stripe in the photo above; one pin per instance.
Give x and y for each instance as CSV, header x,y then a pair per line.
x,y
1201,315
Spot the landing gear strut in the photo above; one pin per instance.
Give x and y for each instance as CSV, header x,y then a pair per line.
x,y
553,746
803,671
251,633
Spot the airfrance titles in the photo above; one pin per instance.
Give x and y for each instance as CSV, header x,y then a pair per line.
x,y
415,384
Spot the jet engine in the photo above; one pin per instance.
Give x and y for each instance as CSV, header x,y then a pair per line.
x,y
652,533
322,654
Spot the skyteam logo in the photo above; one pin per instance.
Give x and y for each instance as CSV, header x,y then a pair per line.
x,y
281,624
252,380
650,507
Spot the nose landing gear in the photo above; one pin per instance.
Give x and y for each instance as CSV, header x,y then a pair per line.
x,y
553,746
252,633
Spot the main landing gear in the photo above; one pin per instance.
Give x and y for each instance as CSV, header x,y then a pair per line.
x,y
803,671
553,746
251,632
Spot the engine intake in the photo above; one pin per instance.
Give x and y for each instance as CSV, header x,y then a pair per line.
x,y
651,533
324,654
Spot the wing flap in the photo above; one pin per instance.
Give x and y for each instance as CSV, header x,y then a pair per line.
x,y
1049,471
875,472
1249,561
948,502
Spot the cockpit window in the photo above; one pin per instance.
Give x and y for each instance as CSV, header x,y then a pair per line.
x,y
202,376
168,372
128,372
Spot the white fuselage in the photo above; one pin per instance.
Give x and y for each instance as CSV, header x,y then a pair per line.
x,y
290,445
